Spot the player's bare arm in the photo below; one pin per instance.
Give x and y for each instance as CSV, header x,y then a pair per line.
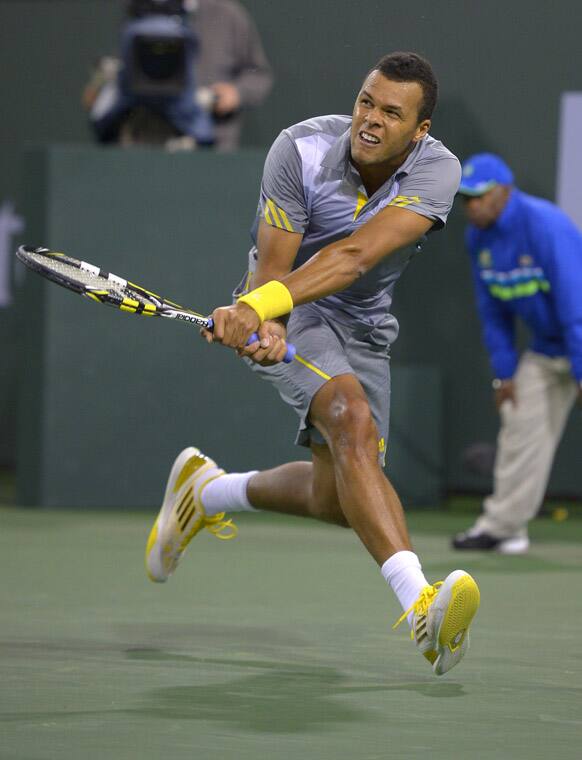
x,y
331,270
337,266
277,250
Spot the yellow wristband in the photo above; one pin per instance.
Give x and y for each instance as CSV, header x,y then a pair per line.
x,y
270,301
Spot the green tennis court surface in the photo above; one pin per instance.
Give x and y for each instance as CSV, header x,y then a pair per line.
x,y
276,645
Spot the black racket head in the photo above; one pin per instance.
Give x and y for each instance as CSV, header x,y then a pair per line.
x,y
55,266
102,286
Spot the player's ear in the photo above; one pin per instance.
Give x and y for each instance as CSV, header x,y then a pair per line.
x,y
421,130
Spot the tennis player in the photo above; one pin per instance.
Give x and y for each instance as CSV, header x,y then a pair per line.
x,y
345,203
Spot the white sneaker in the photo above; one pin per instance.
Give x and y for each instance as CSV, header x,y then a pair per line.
x,y
477,539
442,616
513,545
182,515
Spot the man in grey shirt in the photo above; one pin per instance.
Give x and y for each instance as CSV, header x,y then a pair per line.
x,y
345,202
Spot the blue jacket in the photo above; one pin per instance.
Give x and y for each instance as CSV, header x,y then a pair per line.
x,y
529,265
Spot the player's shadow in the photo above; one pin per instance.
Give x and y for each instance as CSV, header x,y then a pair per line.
x,y
276,698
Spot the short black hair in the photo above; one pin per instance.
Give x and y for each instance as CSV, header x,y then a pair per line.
x,y
411,67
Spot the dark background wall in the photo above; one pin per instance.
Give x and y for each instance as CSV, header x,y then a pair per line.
x,y
106,399
502,68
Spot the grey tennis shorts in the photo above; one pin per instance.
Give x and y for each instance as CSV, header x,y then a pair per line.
x,y
327,348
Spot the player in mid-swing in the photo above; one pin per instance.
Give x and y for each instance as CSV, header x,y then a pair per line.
x,y
345,202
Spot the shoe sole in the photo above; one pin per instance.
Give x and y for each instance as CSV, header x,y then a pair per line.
x,y
152,538
175,481
464,603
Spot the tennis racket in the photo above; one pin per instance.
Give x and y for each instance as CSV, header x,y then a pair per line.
x,y
107,288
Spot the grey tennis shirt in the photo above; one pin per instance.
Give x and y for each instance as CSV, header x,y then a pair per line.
x,y
310,186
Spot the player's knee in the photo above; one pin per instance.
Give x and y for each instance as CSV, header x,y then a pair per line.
x,y
350,426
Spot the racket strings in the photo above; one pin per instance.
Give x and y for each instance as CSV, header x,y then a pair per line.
x,y
91,280
101,286
82,276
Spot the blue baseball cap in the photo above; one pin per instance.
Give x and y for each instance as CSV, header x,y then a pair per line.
x,y
483,171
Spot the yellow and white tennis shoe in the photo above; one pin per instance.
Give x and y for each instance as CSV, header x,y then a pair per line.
x,y
182,515
442,616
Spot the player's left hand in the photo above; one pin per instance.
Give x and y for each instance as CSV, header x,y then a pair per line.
x,y
271,347
233,325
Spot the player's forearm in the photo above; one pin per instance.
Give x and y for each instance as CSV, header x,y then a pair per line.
x,y
331,270
334,268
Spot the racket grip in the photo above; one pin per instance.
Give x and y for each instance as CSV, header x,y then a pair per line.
x,y
287,359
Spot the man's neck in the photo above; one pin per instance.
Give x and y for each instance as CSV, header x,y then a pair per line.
x,y
375,175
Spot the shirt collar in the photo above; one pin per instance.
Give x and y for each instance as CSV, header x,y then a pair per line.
x,y
337,158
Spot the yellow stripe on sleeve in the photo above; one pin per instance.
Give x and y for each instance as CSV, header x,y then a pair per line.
x,y
276,217
285,219
274,213
268,215
404,200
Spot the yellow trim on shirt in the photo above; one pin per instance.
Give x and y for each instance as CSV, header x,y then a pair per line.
x,y
268,216
362,200
285,219
404,200
274,214
276,217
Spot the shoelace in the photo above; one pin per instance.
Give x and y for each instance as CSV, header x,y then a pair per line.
x,y
421,605
217,524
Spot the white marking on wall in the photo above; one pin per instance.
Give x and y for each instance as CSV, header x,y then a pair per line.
x,y
10,224
569,192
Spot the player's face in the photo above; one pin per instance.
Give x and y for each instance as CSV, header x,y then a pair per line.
x,y
385,120
483,210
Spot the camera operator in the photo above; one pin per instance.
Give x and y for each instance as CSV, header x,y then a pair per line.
x,y
149,96
224,71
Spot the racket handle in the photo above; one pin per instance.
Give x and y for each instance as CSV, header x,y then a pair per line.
x,y
287,359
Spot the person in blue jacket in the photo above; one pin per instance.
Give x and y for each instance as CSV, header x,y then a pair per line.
x,y
526,256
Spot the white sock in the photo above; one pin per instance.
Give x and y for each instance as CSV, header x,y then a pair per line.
x,y
228,493
402,571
